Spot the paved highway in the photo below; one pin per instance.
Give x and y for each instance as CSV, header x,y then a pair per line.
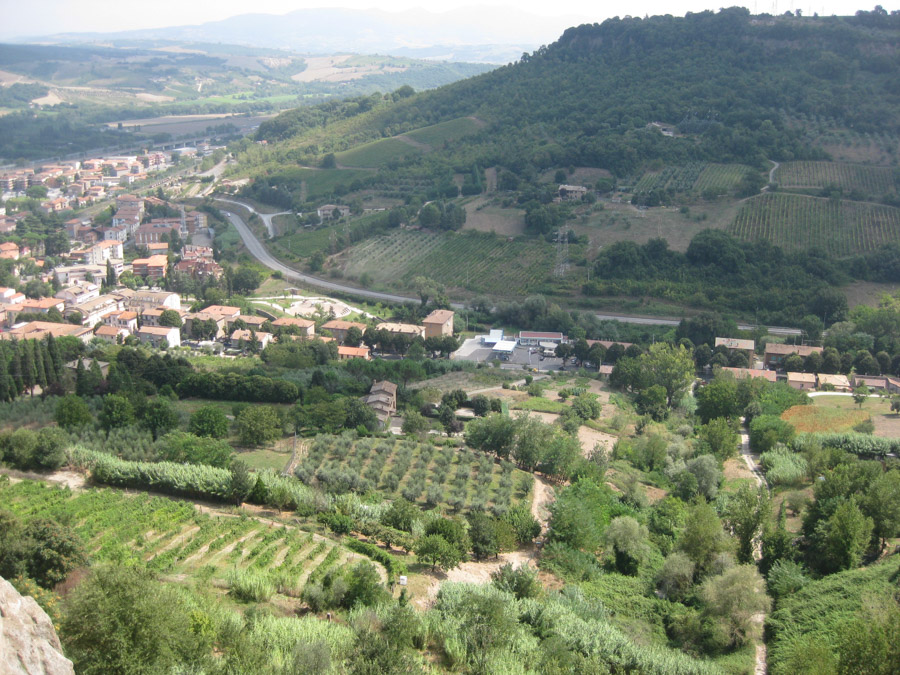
x,y
259,251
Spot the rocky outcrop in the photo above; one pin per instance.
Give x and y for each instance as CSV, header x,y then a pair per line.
x,y
28,642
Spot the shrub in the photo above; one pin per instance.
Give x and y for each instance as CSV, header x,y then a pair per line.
x,y
767,430
520,581
250,585
784,467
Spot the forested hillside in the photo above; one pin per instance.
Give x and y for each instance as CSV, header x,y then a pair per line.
x,y
736,86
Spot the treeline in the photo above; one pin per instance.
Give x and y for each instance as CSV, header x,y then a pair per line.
x,y
719,272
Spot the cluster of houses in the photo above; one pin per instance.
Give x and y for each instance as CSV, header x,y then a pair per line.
x,y
80,183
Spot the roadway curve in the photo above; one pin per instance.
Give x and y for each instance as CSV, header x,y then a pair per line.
x,y
266,217
259,251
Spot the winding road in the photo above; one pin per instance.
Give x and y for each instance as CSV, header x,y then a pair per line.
x,y
259,251
266,217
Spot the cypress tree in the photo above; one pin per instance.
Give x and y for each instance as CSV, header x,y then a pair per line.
x,y
82,383
15,368
39,372
49,370
28,371
95,376
53,348
5,391
110,275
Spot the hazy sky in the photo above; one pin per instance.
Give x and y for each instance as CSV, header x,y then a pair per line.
x,y
43,17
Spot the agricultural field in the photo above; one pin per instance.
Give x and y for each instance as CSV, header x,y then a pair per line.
x,y
175,539
872,180
438,134
306,240
887,424
694,176
822,418
420,472
797,222
720,178
376,153
480,263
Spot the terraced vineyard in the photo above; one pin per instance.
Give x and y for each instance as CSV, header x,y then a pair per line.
x,y
420,472
873,180
174,538
796,222
481,263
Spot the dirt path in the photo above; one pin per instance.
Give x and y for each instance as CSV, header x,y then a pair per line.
x,y
544,495
752,462
773,170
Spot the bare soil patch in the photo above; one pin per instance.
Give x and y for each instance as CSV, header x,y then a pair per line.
x,y
736,468
502,222
328,69
155,98
590,438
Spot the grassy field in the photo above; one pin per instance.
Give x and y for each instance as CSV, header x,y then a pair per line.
x,y
376,153
796,222
873,180
887,424
438,134
173,537
540,404
478,262
265,459
623,222
823,418
420,472
306,241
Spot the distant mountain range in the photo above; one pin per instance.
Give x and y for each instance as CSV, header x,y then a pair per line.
x,y
489,35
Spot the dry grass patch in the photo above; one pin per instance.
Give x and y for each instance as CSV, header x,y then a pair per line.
x,y
815,418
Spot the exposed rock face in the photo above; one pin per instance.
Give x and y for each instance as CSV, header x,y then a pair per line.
x,y
28,642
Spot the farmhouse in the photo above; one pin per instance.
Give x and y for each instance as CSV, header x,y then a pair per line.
x,y
88,364
382,399
572,192
245,337
345,353
438,323
327,211
741,373
834,382
735,345
775,354
402,329
804,381
339,328
305,327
